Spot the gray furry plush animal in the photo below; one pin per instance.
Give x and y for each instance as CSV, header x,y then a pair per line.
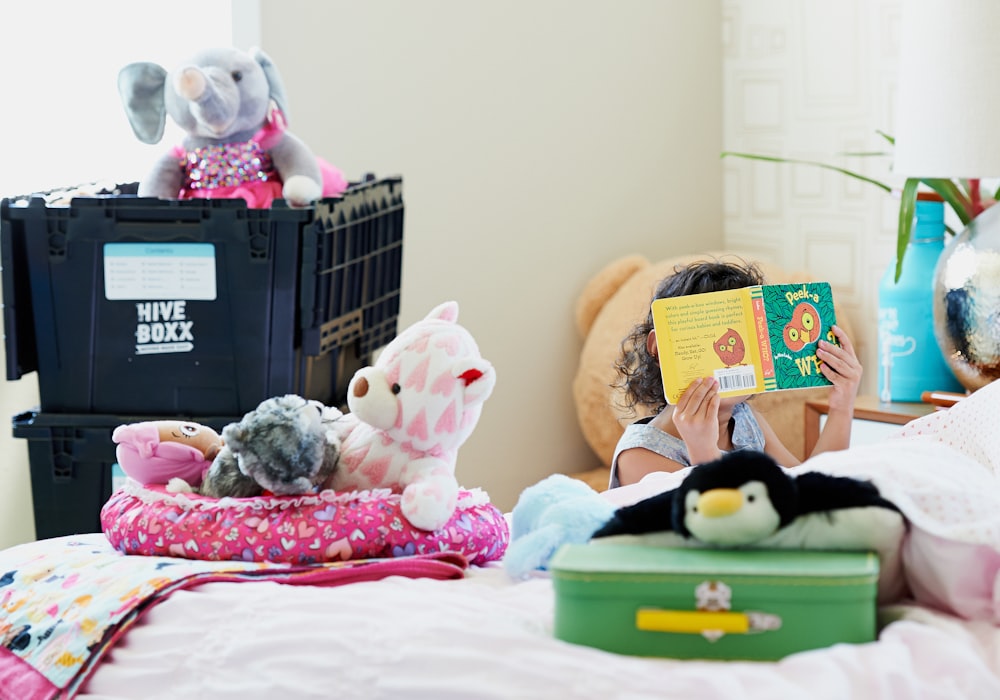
x,y
285,446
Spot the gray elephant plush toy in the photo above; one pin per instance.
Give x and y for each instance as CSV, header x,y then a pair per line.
x,y
232,106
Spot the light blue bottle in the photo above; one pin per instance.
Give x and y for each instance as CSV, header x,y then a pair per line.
x,y
910,361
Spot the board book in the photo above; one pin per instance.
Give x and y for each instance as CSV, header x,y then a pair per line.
x,y
752,340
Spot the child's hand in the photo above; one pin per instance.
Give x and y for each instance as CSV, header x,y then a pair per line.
x,y
841,366
696,417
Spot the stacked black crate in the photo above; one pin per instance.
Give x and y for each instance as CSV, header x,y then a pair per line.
x,y
136,309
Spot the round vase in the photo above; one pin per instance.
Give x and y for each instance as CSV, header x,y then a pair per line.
x,y
967,301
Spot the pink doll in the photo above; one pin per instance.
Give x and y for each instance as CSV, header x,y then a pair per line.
x,y
154,452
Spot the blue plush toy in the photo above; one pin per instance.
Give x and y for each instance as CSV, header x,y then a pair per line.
x,y
557,510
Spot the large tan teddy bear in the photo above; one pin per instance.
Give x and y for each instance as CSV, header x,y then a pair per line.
x,y
611,303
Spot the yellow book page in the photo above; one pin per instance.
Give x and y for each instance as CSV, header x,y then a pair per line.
x,y
708,335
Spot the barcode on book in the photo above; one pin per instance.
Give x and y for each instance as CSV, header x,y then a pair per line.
x,y
732,378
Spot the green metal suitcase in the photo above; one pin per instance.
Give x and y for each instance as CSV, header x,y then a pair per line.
x,y
682,603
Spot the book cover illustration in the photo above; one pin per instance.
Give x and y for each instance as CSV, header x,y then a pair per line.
x,y
752,340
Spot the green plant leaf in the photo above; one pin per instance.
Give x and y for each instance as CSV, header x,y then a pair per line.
x,y
866,154
907,208
817,164
953,196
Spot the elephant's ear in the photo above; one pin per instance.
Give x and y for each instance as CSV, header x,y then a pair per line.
x,y
141,86
274,82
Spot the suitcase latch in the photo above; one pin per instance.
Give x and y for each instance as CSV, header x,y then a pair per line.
x,y
712,619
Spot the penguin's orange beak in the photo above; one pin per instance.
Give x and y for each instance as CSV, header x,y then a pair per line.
x,y
719,503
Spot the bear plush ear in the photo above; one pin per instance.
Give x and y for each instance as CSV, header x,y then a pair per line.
x,y
602,287
479,377
445,311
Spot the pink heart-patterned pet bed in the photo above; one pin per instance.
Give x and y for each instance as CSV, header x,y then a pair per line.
x,y
314,528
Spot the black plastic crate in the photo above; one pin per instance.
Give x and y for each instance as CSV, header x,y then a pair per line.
x,y
146,306
72,460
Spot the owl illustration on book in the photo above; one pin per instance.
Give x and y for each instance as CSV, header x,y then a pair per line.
x,y
730,348
804,328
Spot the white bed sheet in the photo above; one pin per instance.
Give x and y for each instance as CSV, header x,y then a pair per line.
x,y
487,636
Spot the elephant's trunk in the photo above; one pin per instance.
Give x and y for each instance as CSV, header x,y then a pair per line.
x,y
213,99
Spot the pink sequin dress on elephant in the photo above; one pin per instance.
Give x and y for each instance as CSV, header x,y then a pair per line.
x,y
245,169
409,414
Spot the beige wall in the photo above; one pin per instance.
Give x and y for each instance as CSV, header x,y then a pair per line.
x,y
538,140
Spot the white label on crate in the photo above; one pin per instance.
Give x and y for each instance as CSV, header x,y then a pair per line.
x,y
163,326
159,271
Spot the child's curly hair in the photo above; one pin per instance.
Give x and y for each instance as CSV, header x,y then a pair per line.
x,y
638,371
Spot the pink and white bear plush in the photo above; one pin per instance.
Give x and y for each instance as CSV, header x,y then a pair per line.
x,y
410,412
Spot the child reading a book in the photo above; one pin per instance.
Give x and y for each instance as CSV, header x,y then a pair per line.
x,y
702,424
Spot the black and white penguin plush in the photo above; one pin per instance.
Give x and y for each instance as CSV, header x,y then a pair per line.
x,y
745,497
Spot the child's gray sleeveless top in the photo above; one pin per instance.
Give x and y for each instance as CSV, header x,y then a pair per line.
x,y
747,435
